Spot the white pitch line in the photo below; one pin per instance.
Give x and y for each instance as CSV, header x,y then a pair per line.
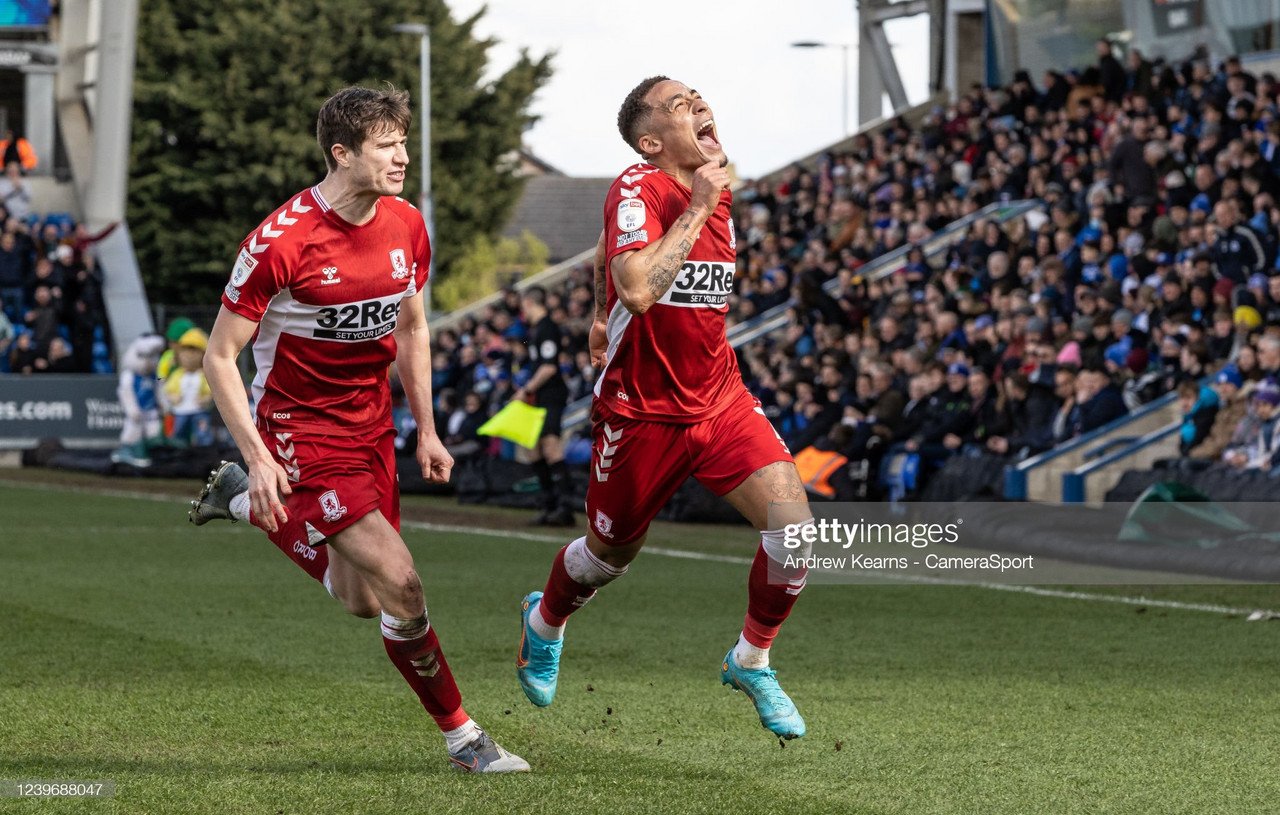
x,y
1208,608
1037,591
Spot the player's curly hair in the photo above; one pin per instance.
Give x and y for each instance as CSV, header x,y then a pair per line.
x,y
353,114
634,113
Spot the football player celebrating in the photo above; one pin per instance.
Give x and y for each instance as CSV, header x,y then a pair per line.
x,y
670,401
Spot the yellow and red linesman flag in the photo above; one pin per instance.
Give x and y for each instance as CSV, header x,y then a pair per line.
x,y
519,422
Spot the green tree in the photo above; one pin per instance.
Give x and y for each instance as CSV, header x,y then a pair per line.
x,y
225,98
488,265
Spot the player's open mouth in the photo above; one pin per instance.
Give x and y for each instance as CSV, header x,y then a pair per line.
x,y
707,135
396,177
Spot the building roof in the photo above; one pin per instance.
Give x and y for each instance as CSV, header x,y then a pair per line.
x,y
564,212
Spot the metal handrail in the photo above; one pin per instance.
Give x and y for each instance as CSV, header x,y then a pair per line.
x,y
1073,483
1015,475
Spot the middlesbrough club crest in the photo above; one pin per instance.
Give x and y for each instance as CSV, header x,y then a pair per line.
x,y
604,524
332,507
399,266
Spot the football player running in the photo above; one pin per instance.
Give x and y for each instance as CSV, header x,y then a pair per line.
x,y
329,288
670,401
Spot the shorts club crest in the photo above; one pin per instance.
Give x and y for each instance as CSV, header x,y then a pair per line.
x,y
332,507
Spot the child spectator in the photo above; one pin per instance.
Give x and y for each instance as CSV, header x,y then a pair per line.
x,y
1233,407
1260,451
186,396
1199,405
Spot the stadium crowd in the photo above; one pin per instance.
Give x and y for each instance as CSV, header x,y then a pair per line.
x,y
1153,265
52,317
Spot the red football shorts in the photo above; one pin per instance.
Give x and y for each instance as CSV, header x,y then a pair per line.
x,y
637,465
336,480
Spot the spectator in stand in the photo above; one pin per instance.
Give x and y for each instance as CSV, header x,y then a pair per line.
x,y
48,239
42,319
14,149
1111,73
46,274
1227,430
1098,401
1236,250
14,266
1030,406
1199,405
23,354
14,195
466,420
7,335
57,360
185,395
82,240
1260,450
947,418
1269,357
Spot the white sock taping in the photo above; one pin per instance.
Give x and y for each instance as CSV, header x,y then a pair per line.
x,y
589,570
585,568
774,543
749,656
459,737
240,506
395,628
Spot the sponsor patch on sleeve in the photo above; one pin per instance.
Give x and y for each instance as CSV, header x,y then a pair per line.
x,y
628,238
233,294
245,264
631,214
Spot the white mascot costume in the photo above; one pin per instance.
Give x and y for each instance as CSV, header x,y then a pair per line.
x,y
137,393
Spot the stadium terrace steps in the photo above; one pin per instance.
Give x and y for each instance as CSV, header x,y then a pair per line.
x,y
1090,482
1040,478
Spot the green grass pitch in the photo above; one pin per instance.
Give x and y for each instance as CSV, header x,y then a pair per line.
x,y
203,673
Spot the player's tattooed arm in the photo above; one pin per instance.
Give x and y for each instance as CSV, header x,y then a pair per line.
x,y
601,282
662,273
643,277
598,336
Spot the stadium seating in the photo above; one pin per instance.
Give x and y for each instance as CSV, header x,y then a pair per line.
x,y
1144,257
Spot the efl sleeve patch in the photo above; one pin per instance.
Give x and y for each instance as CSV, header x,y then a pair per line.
x,y
634,211
245,264
631,214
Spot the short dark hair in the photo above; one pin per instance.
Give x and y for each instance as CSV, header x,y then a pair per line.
x,y
353,114
634,113
535,294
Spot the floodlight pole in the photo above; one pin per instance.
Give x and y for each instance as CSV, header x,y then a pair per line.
x,y
844,52
425,202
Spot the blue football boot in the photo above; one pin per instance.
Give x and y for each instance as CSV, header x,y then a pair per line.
x,y
777,712
538,661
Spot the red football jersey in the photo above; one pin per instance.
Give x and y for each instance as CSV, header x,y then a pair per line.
x,y
672,363
326,294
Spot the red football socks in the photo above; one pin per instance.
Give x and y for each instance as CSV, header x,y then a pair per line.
x,y
563,595
769,604
414,649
